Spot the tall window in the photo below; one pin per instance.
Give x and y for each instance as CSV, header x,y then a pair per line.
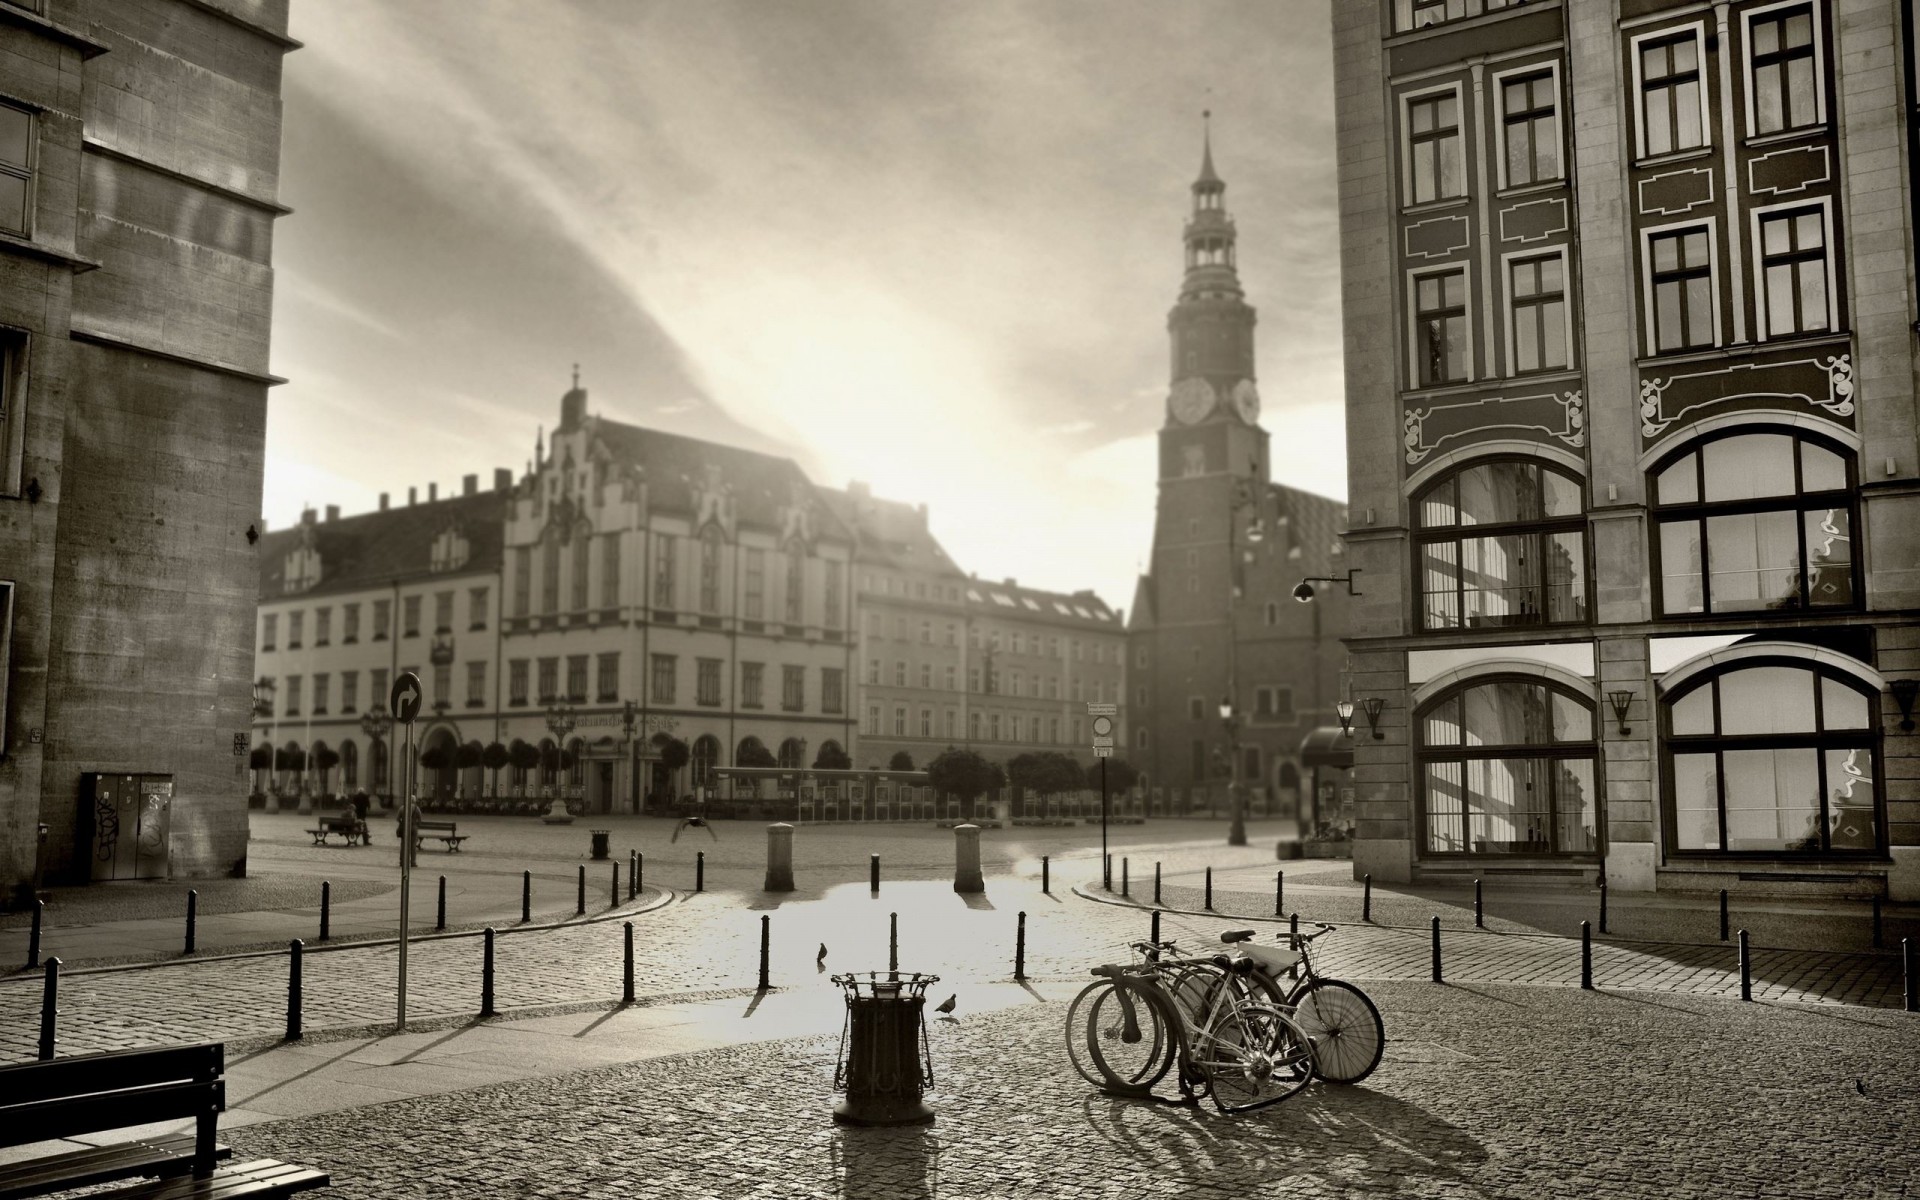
x,y
833,696
293,696
610,571
1440,328
796,583
705,756
834,590
1793,272
1433,136
582,565
319,693
756,585
550,575
1502,543
16,168
752,675
608,683
710,570
1537,294
349,691
476,684
476,608
443,612
1670,95
1530,128
706,683
522,580
294,622
549,680
349,624
322,626
517,681
1772,757
663,580
269,631
1681,264
1785,81
382,619
1507,767
1754,522
664,668
793,688
379,690
410,616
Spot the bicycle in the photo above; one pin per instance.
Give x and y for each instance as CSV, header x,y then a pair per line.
x,y
1131,1031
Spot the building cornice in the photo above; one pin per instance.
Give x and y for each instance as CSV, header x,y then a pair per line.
x,y
203,364
96,146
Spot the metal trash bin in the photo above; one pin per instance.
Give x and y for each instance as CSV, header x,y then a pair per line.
x,y
600,837
885,1064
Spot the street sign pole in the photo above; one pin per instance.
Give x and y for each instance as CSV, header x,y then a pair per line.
x,y
1103,739
1106,861
404,701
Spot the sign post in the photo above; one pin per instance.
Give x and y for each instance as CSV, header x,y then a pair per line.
x,y
404,702
1103,715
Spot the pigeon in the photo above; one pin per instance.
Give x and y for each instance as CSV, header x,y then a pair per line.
x,y
1860,1085
822,956
946,1006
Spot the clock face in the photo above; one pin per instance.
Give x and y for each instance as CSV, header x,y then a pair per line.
x,y
1191,400
1246,399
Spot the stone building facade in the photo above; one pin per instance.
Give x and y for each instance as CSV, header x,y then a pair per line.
x,y
139,172
1643,463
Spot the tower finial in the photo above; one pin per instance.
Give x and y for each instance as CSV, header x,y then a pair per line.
x,y
576,375
1207,175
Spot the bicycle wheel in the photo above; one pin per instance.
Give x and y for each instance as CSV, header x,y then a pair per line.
x,y
1254,1055
1118,1039
1348,1035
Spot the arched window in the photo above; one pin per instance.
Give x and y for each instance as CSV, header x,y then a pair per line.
x,y
1772,756
1508,766
377,754
549,763
576,762
1754,521
710,570
792,751
1501,542
349,765
706,753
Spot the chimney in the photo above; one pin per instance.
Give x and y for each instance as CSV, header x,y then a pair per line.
x,y
413,496
306,516
383,502
433,492
503,479
469,485
333,512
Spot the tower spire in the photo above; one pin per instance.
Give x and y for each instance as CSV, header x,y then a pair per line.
x,y
1206,154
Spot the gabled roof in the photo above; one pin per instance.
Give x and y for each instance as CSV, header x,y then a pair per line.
x,y
377,549
888,533
674,465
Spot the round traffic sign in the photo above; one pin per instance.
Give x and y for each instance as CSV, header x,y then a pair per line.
x,y
404,700
1103,727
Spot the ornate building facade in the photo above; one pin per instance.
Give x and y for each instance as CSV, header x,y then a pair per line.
x,y
1212,624
1642,465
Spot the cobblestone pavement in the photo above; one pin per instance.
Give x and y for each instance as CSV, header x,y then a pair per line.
x,y
1485,1092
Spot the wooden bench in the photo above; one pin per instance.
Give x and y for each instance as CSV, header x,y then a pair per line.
x,y
350,827
95,1093
443,831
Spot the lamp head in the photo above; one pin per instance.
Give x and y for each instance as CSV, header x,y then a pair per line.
x,y
1303,592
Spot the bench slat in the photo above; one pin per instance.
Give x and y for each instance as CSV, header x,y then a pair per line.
x,y
260,1177
101,1164
44,1120
56,1078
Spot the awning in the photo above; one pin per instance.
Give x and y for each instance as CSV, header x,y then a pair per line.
x,y
1327,746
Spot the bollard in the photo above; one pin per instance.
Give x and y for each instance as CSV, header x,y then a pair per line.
x,y
1209,904
779,877
766,938
1020,948
615,902
1746,969
873,872
1293,933
1156,883
526,896
633,873
1154,937
700,871
294,951
440,911
626,991
1603,908
33,939
580,906
1366,897
326,909
1046,869
967,879
1279,893
1479,909
1436,950
639,869
1586,956
893,942
486,975
49,1007
1876,923
1723,914
193,905
1907,969
1106,872
1125,885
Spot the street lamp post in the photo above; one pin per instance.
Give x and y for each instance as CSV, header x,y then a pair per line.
x,y
561,718
1230,721
375,723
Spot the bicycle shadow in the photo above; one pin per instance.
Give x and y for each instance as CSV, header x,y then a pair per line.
x,y
1336,1136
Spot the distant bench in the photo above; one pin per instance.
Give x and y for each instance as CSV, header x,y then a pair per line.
x,y
347,825
95,1093
443,831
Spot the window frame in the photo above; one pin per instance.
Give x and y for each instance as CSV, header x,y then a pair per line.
x,y
28,172
1407,100
1511,299
15,351
1414,276
1503,122
1422,535
1748,66
1650,344
1757,218
1820,741
1697,31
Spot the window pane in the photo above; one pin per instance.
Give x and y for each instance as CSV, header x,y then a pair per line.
x,y
1829,557
1766,37
1700,311
1769,114
1775,235
1695,247
1850,809
1423,174
1773,799
1574,805
1449,151
1686,115
13,202
1546,149
1445,799
1696,802
1669,322
1520,153
1526,340
1572,720
1686,55
1454,288
1500,581
1442,725
1499,493
1748,466
1440,576
1566,582
1562,495
1427,293
1693,712
1813,294
1841,707
1753,561
1659,122
1781,318
1553,333
16,134
1763,700
1678,484
1437,507
1666,253
1821,470
1507,713
1807,231
1800,92
1508,806
1680,590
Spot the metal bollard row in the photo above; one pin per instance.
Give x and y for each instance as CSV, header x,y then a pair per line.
x,y
1020,949
294,993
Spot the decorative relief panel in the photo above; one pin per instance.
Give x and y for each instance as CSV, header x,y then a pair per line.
x,y
1819,384
1534,220
1785,172
1676,193
1561,416
1437,237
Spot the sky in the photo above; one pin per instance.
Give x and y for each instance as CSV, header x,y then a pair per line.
x,y
926,245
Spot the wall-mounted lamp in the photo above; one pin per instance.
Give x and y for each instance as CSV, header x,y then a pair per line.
x,y
1903,692
33,490
1372,706
1304,591
1344,710
1620,700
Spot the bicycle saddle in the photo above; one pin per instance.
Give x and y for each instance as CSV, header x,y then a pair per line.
x,y
1237,935
1239,964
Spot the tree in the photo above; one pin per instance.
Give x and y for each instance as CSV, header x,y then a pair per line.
x,y
494,757
832,758
260,758
965,774
675,754
433,757
1121,775
901,761
467,755
524,755
753,754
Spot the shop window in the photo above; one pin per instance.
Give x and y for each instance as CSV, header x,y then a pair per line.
x,y
1507,766
1501,543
